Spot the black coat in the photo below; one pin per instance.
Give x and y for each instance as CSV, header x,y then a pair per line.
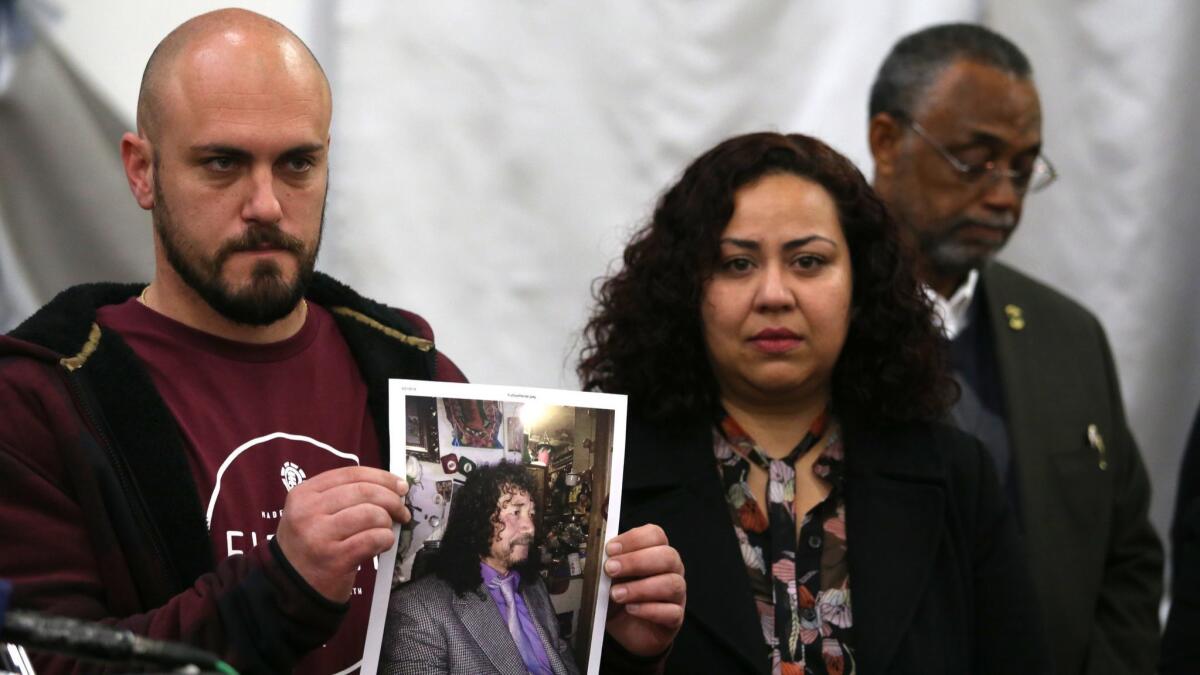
x,y
1096,560
938,582
1180,648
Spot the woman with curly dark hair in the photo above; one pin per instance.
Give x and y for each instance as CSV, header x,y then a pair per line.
x,y
785,376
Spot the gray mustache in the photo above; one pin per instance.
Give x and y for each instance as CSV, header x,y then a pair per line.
x,y
1005,224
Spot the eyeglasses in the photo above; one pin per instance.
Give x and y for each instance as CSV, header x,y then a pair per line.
x,y
1038,176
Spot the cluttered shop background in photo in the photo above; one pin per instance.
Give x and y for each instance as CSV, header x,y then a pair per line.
x,y
568,452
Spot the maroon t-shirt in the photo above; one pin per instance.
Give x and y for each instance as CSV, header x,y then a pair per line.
x,y
256,421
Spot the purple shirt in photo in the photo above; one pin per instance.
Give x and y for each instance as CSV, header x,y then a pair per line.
x,y
533,653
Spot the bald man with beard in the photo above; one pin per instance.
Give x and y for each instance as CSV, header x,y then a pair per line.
x,y
201,458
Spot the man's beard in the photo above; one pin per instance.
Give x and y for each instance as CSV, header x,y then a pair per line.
x,y
266,298
511,558
948,255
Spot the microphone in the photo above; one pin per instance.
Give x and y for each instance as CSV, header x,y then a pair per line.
x,y
96,642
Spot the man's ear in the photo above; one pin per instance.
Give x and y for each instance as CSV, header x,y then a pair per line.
x,y
883,135
137,155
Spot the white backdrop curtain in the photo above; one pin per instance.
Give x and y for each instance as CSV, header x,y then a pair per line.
x,y
1120,233
65,213
490,159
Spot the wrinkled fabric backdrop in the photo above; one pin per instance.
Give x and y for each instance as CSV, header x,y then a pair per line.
x,y
490,159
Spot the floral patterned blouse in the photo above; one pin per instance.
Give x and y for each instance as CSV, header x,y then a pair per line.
x,y
801,587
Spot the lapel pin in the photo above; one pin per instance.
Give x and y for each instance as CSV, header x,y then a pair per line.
x,y
1097,443
1016,319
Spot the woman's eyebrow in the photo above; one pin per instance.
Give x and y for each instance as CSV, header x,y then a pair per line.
x,y
752,245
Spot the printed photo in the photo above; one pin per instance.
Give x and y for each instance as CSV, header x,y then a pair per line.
x,y
513,493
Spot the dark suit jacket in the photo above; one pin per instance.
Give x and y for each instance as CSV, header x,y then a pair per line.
x,y
430,629
937,578
1180,646
1095,558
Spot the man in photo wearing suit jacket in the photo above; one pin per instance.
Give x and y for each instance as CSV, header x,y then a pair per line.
x,y
955,132
484,608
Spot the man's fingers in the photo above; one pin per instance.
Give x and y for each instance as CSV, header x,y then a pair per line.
x,y
646,536
359,518
354,474
336,521
405,515
660,588
644,563
667,615
360,548
347,495
344,555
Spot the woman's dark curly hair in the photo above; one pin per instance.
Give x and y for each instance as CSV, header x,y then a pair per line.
x,y
472,525
645,337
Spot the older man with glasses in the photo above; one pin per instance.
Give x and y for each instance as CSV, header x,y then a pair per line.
x,y
955,132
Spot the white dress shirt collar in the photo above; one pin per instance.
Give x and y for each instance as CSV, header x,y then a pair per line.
x,y
953,313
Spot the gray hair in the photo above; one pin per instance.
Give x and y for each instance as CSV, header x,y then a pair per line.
x,y
918,59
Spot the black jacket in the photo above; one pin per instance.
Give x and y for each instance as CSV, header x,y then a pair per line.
x,y
938,582
1180,648
1082,486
